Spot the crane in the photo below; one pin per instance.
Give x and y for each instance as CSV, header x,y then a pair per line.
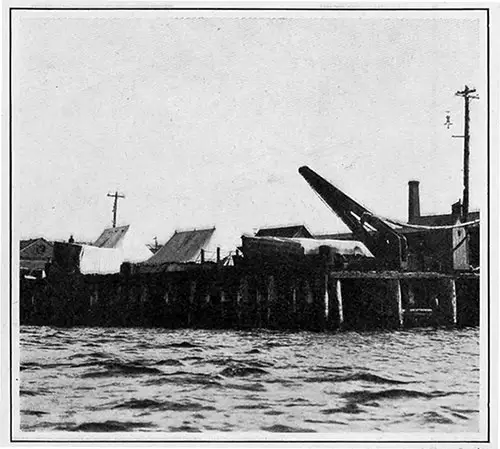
x,y
386,244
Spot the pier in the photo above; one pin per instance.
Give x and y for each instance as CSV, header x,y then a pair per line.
x,y
386,275
313,297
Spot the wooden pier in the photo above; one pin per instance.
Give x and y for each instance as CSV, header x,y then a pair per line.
x,y
312,297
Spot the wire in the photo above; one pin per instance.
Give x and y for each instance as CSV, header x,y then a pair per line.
x,y
430,228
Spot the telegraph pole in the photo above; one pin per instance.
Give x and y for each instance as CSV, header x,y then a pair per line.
x,y
115,195
466,94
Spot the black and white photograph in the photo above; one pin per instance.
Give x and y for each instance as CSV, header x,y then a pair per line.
x,y
250,223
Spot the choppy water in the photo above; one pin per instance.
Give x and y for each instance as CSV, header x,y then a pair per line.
x,y
102,380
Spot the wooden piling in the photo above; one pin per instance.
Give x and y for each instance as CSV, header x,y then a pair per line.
x,y
321,305
223,307
335,306
259,306
395,303
271,301
309,315
242,302
294,321
192,292
326,300
468,302
448,303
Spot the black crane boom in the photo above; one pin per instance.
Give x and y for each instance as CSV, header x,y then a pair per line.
x,y
385,243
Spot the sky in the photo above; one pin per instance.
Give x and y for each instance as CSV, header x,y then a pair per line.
x,y
203,119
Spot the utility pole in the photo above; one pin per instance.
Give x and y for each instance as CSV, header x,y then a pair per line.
x,y
466,94
115,195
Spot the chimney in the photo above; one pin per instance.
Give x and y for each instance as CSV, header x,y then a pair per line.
x,y
456,209
413,201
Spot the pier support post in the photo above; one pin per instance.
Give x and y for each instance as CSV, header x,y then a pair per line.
x,y
192,291
335,306
259,302
242,302
223,307
323,302
468,301
271,301
294,305
448,304
395,301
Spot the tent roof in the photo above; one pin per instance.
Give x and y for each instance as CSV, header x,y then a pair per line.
x,y
182,247
111,237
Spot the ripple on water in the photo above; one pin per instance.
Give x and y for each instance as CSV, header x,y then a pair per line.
x,y
133,380
106,426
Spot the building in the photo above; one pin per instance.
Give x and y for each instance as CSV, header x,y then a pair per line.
x,y
184,247
34,256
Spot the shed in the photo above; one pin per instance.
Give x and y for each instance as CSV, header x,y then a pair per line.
x,y
183,247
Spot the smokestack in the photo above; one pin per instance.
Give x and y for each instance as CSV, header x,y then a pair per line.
x,y
413,201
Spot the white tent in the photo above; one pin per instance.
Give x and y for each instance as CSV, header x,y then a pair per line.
x,y
113,247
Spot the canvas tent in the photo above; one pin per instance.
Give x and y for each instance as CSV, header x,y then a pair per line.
x,y
113,247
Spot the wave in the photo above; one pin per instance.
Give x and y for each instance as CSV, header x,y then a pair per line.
x,y
34,412
368,396
169,362
242,371
281,428
182,344
94,354
436,417
366,377
106,426
184,428
185,378
349,408
123,369
186,406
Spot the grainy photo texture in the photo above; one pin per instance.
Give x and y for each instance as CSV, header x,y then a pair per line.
x,y
243,224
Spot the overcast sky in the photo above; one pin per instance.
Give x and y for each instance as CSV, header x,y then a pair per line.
x,y
204,121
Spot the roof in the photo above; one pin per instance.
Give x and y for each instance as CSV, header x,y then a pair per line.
x,y
182,247
25,243
339,236
36,249
284,231
111,237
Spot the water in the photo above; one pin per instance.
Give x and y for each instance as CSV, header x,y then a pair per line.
x,y
115,379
